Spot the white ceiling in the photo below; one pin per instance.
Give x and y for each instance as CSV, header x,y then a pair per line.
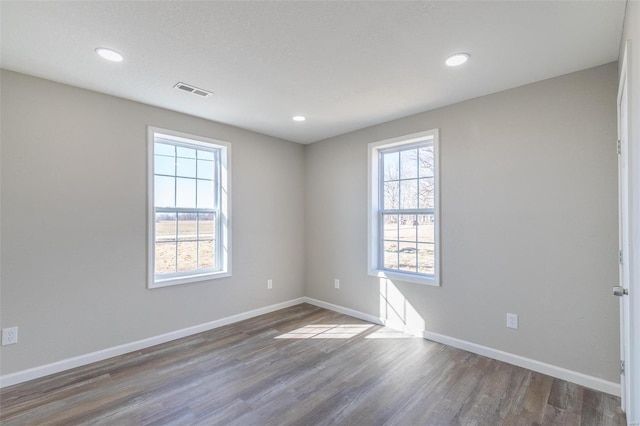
x,y
345,65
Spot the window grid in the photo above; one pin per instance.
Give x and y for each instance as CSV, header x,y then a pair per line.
x,y
402,215
197,211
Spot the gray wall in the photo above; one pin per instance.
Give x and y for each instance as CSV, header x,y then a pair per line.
x,y
74,214
528,221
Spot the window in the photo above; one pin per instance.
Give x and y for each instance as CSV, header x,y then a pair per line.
x,y
189,223
403,208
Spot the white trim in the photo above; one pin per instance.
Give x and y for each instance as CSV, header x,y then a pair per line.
x,y
582,379
631,302
408,277
224,239
343,310
624,244
373,203
78,361
167,282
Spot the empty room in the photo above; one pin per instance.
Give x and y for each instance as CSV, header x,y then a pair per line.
x,y
320,212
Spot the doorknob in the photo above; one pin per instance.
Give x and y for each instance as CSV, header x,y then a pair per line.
x,y
620,291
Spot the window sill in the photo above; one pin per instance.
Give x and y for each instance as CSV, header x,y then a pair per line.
x,y
167,282
406,277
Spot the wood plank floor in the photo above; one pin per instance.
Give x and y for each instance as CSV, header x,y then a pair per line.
x,y
304,366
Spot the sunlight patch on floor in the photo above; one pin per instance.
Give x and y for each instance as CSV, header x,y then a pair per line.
x,y
326,331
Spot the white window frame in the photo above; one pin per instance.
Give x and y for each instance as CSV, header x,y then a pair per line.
x,y
375,244
223,239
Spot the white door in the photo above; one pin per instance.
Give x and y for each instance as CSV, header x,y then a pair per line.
x,y
622,289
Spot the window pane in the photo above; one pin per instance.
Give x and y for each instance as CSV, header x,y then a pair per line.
x,y
409,194
206,254
408,257
407,229
186,196
185,152
186,191
164,149
187,223
205,169
391,164
409,164
164,165
164,191
165,226
206,243
426,259
390,255
406,183
206,228
426,161
165,258
390,227
426,193
205,155
392,195
426,232
205,194
187,256
186,167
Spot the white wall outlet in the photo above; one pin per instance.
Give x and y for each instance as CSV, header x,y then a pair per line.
x,y
269,284
512,321
336,283
9,336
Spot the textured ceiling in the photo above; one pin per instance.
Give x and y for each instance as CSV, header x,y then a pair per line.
x,y
345,65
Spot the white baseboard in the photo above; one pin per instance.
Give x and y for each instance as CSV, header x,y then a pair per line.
x,y
520,361
528,363
540,367
67,364
343,310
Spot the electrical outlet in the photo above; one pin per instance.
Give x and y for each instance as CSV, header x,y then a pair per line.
x,y
336,283
269,284
9,336
512,321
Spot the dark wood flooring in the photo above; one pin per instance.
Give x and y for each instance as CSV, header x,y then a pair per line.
x,y
304,366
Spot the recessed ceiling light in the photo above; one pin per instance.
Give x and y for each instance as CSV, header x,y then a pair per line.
x,y
299,118
457,59
110,55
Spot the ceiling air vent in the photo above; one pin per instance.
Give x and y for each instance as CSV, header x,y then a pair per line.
x,y
192,89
